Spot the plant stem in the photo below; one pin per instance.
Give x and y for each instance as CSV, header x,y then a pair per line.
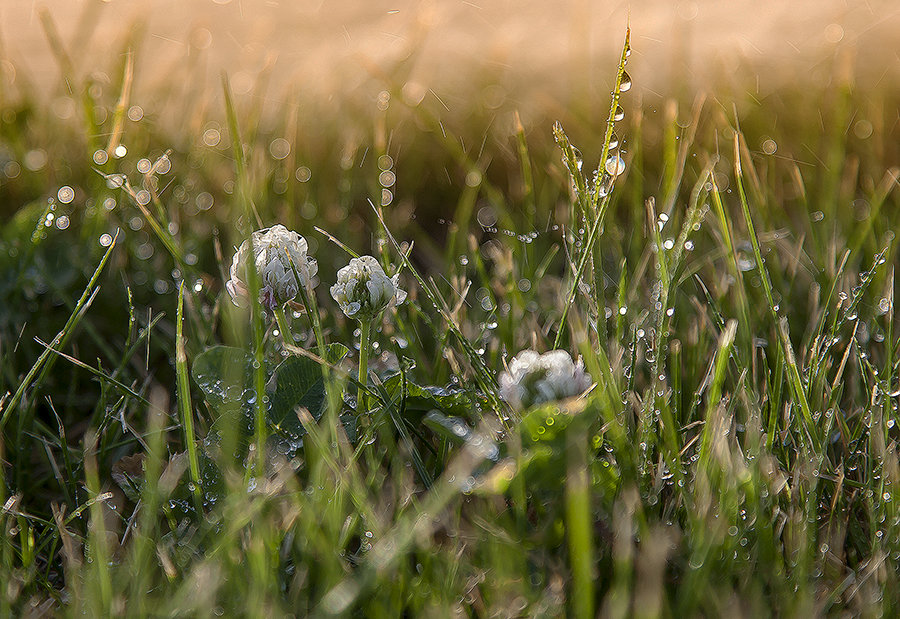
x,y
308,296
365,332
184,400
284,326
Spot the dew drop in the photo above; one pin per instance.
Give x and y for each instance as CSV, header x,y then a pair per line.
x,y
163,164
211,137
387,178
115,181
279,148
579,158
65,194
615,165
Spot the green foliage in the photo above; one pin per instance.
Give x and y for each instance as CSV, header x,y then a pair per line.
x,y
163,452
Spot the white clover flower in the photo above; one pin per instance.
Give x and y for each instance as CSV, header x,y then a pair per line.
x,y
274,250
363,290
534,378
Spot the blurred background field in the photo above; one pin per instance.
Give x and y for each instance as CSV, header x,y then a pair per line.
x,y
442,114
538,53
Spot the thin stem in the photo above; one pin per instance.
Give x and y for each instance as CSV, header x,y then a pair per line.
x,y
284,326
308,296
365,332
184,400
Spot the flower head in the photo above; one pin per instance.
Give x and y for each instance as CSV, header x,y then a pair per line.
x,y
363,290
534,378
276,253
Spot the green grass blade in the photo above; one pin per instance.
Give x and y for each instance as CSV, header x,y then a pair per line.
x,y
44,363
184,400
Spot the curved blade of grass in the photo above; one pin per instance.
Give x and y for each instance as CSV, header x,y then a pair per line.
x,y
44,362
184,399
237,149
714,395
525,166
582,263
579,523
573,165
610,122
115,137
257,327
483,375
336,241
415,524
96,372
599,212
795,382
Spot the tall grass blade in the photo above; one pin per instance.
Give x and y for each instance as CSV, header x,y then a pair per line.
x,y
44,363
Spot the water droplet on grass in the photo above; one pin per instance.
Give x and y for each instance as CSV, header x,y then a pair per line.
x,y
279,148
387,178
211,137
615,165
579,158
65,194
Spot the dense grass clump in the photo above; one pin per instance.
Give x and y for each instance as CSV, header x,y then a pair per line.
x,y
726,278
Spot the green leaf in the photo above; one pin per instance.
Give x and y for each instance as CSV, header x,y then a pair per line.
x,y
296,383
453,429
544,423
544,430
225,376
419,399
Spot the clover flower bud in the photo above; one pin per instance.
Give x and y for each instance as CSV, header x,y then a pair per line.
x,y
277,253
534,378
363,290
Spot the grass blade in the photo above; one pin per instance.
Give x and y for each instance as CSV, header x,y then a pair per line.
x,y
44,363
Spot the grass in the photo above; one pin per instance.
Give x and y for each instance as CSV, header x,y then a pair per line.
x,y
731,294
